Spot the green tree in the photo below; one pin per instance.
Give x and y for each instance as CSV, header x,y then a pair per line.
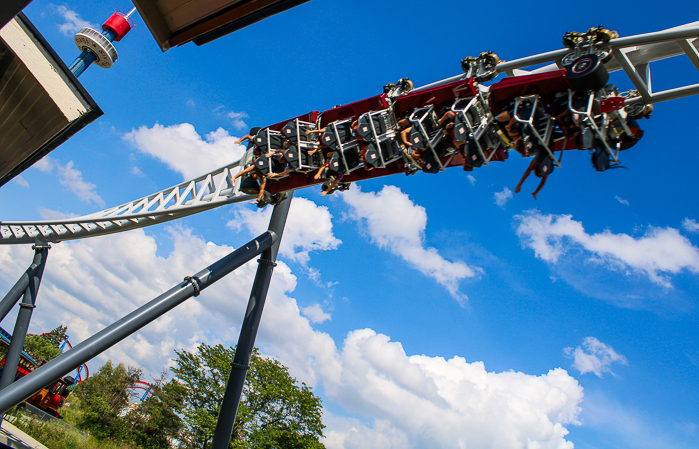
x,y
46,346
275,411
104,398
154,422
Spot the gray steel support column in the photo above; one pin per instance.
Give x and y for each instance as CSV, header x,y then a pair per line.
x,y
248,332
20,286
108,337
24,316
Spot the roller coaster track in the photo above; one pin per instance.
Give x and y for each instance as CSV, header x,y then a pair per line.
x,y
205,192
632,54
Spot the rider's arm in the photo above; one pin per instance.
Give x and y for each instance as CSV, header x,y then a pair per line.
x,y
405,135
247,170
316,131
246,137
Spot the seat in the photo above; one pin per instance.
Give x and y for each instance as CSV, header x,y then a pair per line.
x,y
263,164
474,157
267,140
336,134
536,125
431,164
370,126
337,164
249,186
352,157
294,157
295,131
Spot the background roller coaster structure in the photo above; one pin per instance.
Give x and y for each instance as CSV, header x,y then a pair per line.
x,y
580,70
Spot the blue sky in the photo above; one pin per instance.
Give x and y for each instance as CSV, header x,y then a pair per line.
x,y
422,311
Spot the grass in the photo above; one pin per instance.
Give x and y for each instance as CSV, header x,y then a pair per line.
x,y
53,435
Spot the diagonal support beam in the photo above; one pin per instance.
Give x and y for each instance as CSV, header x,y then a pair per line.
x,y
690,50
108,337
635,78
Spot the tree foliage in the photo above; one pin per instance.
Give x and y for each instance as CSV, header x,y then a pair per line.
x,y
105,396
154,422
275,412
46,346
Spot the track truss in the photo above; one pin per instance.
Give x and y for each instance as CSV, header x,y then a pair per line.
x,y
632,54
205,192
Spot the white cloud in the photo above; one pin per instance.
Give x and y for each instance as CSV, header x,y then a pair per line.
x,y
659,251
471,179
73,22
622,201
308,228
315,313
690,225
430,402
137,171
395,223
501,198
73,179
405,401
183,150
21,181
44,165
594,357
49,214
191,103
238,119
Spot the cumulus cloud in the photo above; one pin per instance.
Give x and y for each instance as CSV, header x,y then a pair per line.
x,y
72,21
594,357
21,181
315,313
690,225
308,228
238,119
621,200
660,251
431,402
72,178
183,150
501,198
49,214
397,224
44,165
411,401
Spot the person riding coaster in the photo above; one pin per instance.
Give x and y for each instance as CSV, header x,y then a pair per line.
x,y
526,113
542,166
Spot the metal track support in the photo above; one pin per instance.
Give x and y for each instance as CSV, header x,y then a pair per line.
x,y
19,334
248,331
22,283
108,337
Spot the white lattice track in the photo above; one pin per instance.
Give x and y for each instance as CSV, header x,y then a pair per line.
x,y
206,192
